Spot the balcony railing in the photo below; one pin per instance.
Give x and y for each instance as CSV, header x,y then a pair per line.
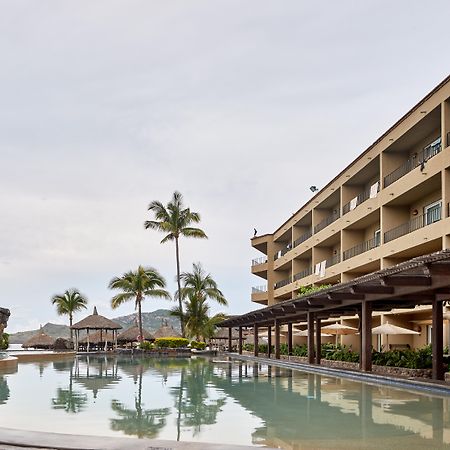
x,y
361,248
282,283
336,259
283,251
360,198
303,274
259,289
302,238
327,221
433,215
260,260
414,161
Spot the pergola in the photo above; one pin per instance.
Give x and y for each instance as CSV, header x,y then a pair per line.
x,y
424,280
95,322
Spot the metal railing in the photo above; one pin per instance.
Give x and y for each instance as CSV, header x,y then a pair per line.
x,y
434,215
282,283
260,260
302,238
303,274
360,198
414,161
259,289
361,248
283,251
336,259
327,221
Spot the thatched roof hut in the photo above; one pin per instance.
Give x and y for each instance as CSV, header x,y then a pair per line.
x,y
132,333
95,322
166,330
222,333
40,340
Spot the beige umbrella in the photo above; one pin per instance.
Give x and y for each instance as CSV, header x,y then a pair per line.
x,y
305,333
339,329
387,328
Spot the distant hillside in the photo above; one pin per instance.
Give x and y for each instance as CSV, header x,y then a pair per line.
x,y
150,321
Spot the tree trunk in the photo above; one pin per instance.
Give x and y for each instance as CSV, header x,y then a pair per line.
x,y
180,302
138,301
71,331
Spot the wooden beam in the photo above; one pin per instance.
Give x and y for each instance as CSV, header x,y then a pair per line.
x,y
255,340
439,269
240,341
406,280
345,296
289,339
373,289
365,354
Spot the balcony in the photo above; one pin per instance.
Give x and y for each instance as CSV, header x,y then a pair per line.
x,y
418,159
282,283
327,221
258,261
362,248
432,215
259,289
283,251
302,238
303,274
361,198
336,259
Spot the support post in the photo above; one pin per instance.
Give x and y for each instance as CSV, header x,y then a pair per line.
x,y
230,338
310,320
437,341
318,341
289,339
255,340
240,341
269,341
277,339
365,354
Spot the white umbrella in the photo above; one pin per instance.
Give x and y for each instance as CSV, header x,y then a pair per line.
x,y
387,328
305,333
339,329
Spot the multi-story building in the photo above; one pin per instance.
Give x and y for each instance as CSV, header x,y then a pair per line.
x,y
388,206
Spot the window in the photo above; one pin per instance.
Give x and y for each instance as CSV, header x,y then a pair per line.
x,y
432,213
377,238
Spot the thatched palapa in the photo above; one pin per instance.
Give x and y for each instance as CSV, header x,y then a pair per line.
x,y
166,330
132,333
40,340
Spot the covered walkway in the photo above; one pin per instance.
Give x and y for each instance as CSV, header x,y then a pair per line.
x,y
420,281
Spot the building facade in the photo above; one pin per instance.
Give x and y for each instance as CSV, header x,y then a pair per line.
x,y
389,205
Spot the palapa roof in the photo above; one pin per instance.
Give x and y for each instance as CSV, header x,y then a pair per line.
x,y
96,322
39,340
97,337
166,330
132,333
222,333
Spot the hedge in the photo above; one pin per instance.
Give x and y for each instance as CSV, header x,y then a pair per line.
x,y
198,345
171,342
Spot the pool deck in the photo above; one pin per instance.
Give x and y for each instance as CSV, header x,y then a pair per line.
x,y
15,439
429,386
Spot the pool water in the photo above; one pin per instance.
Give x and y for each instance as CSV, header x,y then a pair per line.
x,y
213,400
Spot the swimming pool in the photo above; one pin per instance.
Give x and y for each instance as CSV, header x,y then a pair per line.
x,y
208,400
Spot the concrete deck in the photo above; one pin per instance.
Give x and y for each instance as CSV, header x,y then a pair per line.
x,y
15,439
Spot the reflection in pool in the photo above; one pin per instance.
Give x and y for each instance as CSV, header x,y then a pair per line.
x,y
213,401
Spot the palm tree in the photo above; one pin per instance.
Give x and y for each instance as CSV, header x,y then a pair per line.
x,y
175,220
144,282
68,303
198,287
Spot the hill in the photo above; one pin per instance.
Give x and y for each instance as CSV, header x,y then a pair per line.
x,y
150,321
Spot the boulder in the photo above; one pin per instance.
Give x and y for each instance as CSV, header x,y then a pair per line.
x,y
4,316
63,344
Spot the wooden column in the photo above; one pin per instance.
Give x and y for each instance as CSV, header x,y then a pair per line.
x,y
230,339
255,340
437,340
289,342
310,320
318,341
277,339
269,341
365,354
240,341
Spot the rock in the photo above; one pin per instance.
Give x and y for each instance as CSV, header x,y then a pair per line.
x,y
63,344
4,316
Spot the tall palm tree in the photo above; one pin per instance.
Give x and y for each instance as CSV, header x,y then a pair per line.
x,y
175,220
144,282
198,288
69,303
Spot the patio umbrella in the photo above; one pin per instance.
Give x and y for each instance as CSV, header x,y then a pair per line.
x,y
305,333
387,328
339,329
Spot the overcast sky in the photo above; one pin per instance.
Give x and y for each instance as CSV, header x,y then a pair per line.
x,y
240,105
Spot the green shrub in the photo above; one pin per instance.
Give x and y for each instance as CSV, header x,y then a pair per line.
x,y
4,341
198,345
410,359
171,342
145,345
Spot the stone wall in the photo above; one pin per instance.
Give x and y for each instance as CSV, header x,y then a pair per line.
x,y
4,316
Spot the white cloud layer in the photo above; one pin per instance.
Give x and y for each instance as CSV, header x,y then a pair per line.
x,y
107,105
